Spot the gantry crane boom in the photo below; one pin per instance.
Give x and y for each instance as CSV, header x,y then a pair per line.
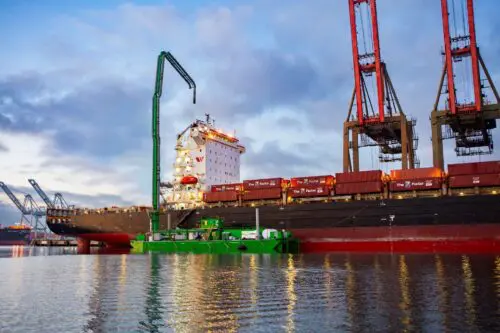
x,y
155,217
41,193
367,62
58,197
14,199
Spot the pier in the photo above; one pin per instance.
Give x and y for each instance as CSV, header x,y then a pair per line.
x,y
61,243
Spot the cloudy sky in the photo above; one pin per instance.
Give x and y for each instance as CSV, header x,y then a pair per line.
x,y
76,82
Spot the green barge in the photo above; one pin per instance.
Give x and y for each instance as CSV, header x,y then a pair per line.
x,y
212,237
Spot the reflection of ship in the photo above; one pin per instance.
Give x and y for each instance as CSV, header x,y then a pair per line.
x,y
421,209
19,234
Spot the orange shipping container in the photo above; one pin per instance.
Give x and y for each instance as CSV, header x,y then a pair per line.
x,y
415,184
359,176
359,188
463,181
302,192
226,187
312,181
262,183
211,197
474,168
419,173
262,194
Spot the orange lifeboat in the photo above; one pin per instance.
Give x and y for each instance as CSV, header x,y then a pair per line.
x,y
189,180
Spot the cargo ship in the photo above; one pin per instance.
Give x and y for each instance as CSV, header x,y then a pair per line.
x,y
422,210
18,234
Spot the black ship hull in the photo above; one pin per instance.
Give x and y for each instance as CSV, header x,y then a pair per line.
x,y
468,223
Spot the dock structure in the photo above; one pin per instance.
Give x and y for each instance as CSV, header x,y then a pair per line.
x,y
61,243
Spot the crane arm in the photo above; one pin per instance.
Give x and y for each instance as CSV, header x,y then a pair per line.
x,y
155,218
41,193
14,199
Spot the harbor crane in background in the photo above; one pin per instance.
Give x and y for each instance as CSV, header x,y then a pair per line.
x,y
31,213
467,113
58,201
379,118
155,214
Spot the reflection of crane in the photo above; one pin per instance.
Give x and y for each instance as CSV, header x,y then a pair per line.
x,y
29,209
155,217
58,201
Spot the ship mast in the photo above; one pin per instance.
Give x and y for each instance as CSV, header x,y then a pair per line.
x,y
155,215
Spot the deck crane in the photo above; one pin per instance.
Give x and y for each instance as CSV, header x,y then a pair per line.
x,y
155,214
29,209
468,112
379,119
58,201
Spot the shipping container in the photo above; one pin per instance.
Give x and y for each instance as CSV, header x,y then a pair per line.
x,y
463,181
309,191
226,187
226,196
312,181
358,177
262,194
359,188
262,183
416,184
419,173
474,168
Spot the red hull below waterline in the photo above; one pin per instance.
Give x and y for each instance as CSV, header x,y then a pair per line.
x,y
411,239
110,239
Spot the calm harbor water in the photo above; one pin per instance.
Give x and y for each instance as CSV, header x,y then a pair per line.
x,y
54,290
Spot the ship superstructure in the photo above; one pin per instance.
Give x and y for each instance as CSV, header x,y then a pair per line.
x,y
204,156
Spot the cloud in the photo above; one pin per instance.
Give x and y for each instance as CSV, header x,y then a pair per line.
x,y
8,214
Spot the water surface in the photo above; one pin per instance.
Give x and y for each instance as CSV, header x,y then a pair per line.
x,y
41,291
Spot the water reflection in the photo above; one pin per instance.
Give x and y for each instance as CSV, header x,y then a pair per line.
x,y
252,293
153,307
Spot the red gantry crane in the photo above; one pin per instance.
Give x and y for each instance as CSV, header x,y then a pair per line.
x,y
467,112
378,118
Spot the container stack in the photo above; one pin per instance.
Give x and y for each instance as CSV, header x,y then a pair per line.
x,y
262,189
223,193
422,179
467,175
361,182
306,187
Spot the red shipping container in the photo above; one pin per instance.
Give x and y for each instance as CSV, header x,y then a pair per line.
x,y
262,183
474,180
359,176
312,181
211,197
416,184
303,192
359,188
419,173
262,194
474,168
226,187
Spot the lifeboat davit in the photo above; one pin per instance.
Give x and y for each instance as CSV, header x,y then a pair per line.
x,y
189,180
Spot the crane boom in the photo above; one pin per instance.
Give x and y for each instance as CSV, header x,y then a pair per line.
x,y
155,217
41,193
14,199
368,62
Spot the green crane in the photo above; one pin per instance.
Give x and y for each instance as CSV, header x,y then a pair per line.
x,y
155,215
